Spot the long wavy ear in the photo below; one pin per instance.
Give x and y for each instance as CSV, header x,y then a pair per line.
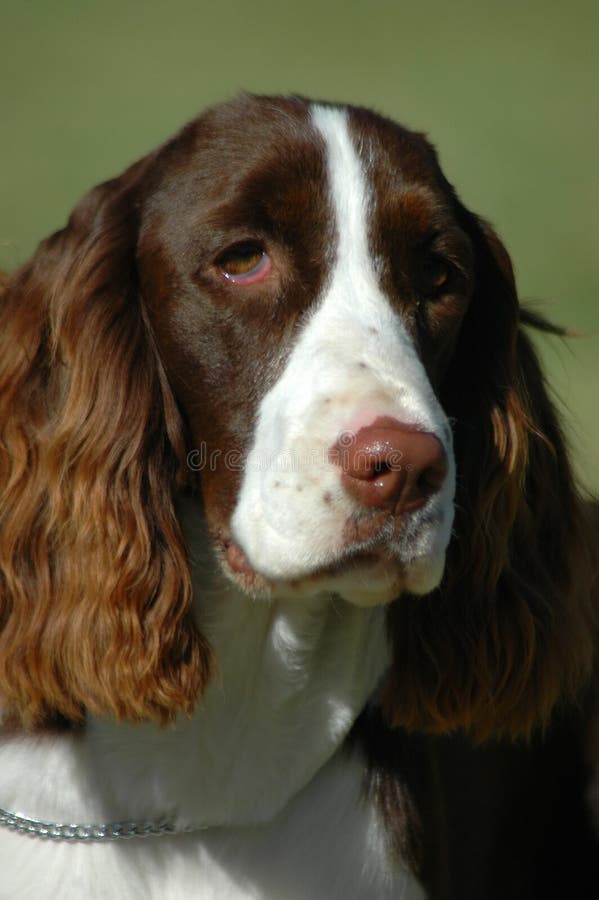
x,y
512,629
95,595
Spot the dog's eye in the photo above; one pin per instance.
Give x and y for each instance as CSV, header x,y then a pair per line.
x,y
437,276
244,263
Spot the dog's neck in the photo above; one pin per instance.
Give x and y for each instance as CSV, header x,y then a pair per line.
x,y
291,678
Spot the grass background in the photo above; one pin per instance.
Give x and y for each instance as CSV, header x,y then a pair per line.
x,y
506,90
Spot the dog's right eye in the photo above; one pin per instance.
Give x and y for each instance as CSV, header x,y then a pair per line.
x,y
244,263
437,274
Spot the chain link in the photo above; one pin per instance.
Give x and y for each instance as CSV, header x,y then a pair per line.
x,y
112,831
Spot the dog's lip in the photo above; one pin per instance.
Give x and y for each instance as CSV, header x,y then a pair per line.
x,y
237,559
367,563
352,559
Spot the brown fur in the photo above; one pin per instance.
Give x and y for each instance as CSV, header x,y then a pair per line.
x,y
95,595
95,591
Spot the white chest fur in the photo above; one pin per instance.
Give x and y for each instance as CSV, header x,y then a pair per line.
x,y
262,751
327,844
291,680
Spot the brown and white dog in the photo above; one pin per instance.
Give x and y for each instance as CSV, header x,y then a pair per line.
x,y
281,487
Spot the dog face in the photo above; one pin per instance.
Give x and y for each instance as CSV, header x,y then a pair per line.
x,y
305,277
287,309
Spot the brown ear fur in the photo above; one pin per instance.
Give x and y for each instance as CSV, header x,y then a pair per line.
x,y
95,594
512,630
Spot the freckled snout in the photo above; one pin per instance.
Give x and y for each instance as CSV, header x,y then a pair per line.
x,y
389,464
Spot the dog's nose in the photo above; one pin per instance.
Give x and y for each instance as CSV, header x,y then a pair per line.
x,y
390,464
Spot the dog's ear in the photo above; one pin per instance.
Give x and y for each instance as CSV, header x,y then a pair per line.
x,y
95,594
511,630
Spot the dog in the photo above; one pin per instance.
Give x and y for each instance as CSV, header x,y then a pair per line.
x,y
287,527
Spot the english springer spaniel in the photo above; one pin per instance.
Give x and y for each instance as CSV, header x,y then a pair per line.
x,y
283,505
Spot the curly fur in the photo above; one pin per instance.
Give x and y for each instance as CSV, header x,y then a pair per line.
x,y
95,591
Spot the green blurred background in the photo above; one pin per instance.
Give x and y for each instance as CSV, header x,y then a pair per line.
x,y
508,91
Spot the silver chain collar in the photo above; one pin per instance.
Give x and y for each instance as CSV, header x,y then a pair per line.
x,y
112,831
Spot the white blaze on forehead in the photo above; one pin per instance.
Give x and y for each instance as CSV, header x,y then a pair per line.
x,y
354,360
347,188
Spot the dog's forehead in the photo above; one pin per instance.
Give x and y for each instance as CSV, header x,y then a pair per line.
x,y
269,152
215,155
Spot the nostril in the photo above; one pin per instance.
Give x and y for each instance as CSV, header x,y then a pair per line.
x,y
426,482
433,477
380,468
428,473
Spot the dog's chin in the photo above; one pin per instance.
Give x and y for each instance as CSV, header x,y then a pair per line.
x,y
363,579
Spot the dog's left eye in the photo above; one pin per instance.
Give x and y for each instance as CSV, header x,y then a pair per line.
x,y
437,276
244,263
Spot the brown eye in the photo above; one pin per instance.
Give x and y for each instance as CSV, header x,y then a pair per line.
x,y
437,276
245,263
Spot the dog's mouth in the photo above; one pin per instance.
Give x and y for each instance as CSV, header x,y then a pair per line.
x,y
365,577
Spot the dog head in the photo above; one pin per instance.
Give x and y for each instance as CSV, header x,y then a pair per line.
x,y
287,307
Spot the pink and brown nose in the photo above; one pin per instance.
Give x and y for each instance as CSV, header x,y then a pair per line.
x,y
390,464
